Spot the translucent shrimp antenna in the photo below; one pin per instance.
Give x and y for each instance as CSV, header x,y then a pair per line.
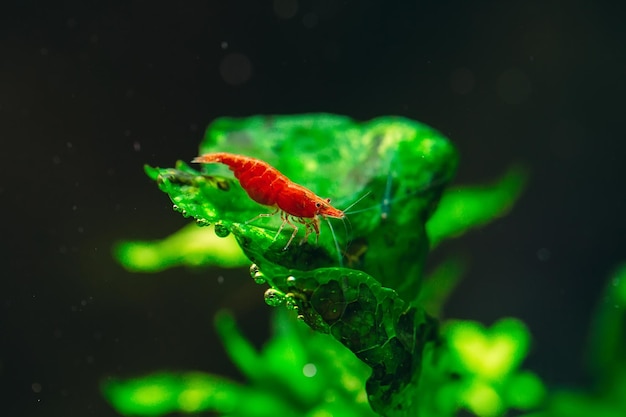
x,y
357,201
386,202
332,232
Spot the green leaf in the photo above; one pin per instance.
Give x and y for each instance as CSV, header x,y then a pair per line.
x,y
190,246
370,320
397,167
464,208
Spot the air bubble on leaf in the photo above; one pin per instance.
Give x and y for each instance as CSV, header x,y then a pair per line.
x,y
259,278
291,280
176,208
203,222
290,303
274,298
221,230
253,270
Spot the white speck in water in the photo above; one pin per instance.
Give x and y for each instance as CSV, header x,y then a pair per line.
x,y
543,254
136,146
36,387
220,279
235,69
224,45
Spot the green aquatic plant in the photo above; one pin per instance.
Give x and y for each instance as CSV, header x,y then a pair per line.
x,y
357,323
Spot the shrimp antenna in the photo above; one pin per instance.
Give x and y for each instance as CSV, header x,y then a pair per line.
x,y
356,202
332,231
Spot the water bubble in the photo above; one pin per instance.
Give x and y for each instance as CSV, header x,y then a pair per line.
x,y
543,254
274,298
259,278
235,69
203,222
309,370
291,280
176,208
290,303
221,230
257,275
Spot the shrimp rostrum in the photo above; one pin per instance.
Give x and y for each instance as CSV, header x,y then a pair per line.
x,y
269,187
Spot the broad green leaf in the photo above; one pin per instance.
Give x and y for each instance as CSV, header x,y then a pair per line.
x,y
370,320
464,208
397,167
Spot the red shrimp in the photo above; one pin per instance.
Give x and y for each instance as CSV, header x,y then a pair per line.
x,y
267,186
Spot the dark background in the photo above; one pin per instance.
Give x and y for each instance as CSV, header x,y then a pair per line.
x,y
92,90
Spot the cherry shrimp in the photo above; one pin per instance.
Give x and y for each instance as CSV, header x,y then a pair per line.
x,y
269,187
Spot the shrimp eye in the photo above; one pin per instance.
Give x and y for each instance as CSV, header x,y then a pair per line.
x,y
328,200
318,204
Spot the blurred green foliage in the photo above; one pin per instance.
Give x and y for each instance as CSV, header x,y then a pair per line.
x,y
372,336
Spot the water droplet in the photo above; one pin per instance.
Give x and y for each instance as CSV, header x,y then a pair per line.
x,y
290,303
274,298
221,230
259,278
309,370
202,222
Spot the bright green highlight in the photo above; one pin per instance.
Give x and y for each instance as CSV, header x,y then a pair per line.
x,y
190,246
488,360
164,393
464,208
476,369
279,379
492,353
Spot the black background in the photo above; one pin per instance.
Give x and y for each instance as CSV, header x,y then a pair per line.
x,y
92,90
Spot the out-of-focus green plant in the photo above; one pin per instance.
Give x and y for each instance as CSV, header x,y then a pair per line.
x,y
373,336
299,372
607,361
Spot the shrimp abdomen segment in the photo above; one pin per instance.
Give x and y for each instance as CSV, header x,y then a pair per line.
x,y
297,201
260,180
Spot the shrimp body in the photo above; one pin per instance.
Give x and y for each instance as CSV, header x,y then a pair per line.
x,y
269,187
